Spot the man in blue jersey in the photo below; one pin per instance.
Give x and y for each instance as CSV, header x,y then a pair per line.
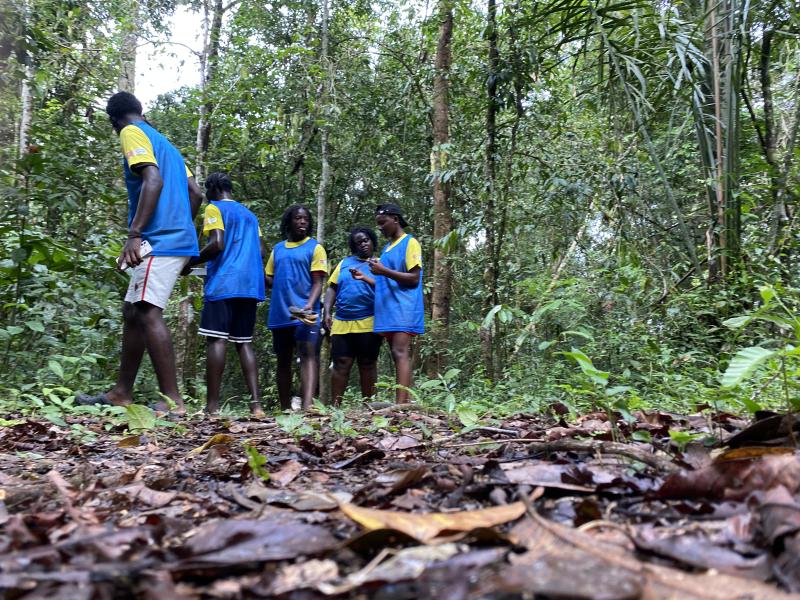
x,y
295,272
399,308
162,201
234,287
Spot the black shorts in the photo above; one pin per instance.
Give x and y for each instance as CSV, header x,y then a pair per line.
x,y
232,319
286,339
363,346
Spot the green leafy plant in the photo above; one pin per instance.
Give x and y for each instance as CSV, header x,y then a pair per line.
x,y
782,351
256,462
293,424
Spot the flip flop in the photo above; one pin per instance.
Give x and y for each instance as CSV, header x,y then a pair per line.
x,y
97,400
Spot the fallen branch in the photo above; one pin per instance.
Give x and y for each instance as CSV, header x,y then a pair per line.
x,y
537,446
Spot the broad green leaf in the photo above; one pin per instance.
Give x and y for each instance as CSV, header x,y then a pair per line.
x,y
767,293
467,416
743,364
140,418
642,436
487,321
56,368
35,326
737,322
585,363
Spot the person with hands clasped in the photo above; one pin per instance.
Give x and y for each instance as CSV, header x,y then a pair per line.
x,y
234,285
163,198
349,316
295,271
399,308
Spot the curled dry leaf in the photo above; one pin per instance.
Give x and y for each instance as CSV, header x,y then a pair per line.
x,y
219,438
429,526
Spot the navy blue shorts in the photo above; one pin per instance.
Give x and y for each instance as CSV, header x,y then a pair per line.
x,y
232,319
286,339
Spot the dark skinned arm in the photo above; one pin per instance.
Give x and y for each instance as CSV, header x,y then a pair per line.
x,y
195,196
215,245
327,310
316,289
410,279
358,275
148,200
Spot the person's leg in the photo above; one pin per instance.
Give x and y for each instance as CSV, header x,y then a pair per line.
x,y
243,324
283,344
339,377
342,357
247,358
307,342
400,346
368,350
159,346
133,346
215,366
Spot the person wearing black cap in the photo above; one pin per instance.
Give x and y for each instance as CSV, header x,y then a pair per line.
x,y
399,309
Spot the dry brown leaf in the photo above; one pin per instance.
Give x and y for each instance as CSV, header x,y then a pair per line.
x,y
149,496
219,438
287,473
427,527
130,441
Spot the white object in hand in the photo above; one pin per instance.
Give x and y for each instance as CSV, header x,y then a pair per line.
x,y
144,250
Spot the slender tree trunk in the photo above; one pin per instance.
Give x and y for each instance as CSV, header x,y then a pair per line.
x,y
322,195
442,215
26,91
208,68
127,69
490,171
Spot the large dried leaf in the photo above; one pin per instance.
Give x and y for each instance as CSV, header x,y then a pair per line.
x,y
240,541
429,526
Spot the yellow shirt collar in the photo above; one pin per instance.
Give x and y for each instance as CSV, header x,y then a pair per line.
x,y
296,244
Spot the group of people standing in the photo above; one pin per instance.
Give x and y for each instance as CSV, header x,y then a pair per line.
x,y
367,299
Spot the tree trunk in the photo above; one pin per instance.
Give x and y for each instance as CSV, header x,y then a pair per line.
x,y
322,195
490,171
208,68
442,216
26,91
127,69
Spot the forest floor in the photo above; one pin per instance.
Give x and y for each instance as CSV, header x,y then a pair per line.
x,y
399,503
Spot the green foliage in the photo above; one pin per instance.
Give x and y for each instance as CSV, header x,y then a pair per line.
x,y
140,418
256,462
293,424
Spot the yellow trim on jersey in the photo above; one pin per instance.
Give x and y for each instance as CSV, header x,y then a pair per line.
x,y
413,252
136,147
212,219
319,261
361,326
188,171
334,278
270,268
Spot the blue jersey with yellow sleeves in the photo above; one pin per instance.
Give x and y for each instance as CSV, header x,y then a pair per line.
x,y
399,307
290,265
170,230
237,272
355,299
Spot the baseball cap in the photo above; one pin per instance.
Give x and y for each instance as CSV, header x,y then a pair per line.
x,y
391,209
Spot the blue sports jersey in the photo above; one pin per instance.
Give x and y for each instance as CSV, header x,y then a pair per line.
x,y
355,300
398,307
237,272
170,230
291,282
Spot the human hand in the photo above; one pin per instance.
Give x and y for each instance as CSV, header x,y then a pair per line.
x,y
376,267
358,275
131,253
328,321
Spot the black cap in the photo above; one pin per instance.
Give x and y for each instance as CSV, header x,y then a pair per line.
x,y
391,209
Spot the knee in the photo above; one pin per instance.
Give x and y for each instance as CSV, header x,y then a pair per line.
x,y
400,352
342,365
367,365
